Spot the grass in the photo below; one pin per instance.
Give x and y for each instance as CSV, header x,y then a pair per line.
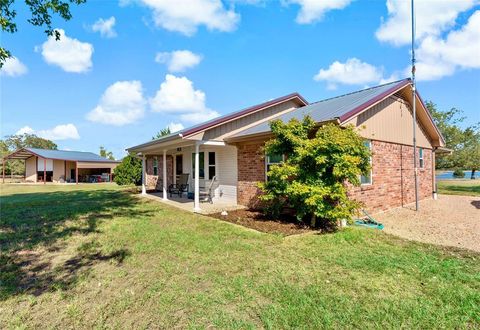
x,y
97,256
459,187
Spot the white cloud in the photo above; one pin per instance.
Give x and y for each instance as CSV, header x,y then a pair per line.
x,y
352,72
186,16
177,96
175,127
122,103
105,27
432,18
68,53
59,132
13,68
460,49
178,60
314,10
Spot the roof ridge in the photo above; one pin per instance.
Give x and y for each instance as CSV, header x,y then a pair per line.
x,y
85,152
359,91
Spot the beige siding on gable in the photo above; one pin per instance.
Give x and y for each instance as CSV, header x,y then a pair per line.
x,y
220,132
391,121
31,169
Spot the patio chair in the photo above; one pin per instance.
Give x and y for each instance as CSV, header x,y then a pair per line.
x,y
207,194
180,187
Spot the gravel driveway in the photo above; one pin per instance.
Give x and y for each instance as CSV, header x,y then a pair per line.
x,y
449,221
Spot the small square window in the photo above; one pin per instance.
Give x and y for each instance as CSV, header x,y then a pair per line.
x,y
272,160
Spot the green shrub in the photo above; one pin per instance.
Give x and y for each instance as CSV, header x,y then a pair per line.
x,y
458,173
313,177
129,171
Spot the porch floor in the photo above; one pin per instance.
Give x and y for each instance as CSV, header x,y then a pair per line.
x,y
187,204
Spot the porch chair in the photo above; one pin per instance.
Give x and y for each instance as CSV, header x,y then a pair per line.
x,y
180,187
207,194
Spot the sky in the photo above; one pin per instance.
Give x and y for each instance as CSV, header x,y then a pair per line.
x,y
123,70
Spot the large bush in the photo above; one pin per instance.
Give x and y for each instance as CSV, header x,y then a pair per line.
x,y
129,171
458,173
317,167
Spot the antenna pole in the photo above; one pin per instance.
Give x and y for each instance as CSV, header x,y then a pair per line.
x,y
414,108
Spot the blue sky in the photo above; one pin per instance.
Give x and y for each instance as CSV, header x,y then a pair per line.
x,y
118,81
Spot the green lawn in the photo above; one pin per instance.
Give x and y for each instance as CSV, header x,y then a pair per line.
x,y
97,256
459,187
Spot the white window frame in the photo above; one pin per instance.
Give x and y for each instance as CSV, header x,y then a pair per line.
x,y
421,159
267,163
371,167
155,165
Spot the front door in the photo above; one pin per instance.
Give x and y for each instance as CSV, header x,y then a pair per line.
x,y
72,174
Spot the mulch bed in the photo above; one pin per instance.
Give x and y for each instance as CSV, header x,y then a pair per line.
x,y
288,225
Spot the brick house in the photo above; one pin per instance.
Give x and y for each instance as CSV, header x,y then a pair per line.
x,y
229,149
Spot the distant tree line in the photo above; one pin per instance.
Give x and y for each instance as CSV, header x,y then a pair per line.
x,y
464,142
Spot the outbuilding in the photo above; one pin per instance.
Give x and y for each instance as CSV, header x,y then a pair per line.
x,y
45,165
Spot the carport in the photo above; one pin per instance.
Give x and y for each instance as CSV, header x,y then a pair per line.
x,y
44,165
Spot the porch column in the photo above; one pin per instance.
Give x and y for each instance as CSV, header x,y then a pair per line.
x,y
196,201
164,183
76,172
144,189
44,171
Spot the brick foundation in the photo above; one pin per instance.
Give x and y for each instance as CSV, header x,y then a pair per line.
x,y
154,182
393,181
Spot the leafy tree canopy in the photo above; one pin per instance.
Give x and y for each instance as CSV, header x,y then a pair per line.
x,y
164,132
129,171
106,154
465,143
41,15
318,166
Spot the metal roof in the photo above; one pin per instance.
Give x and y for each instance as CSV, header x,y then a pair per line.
x,y
220,120
337,108
78,156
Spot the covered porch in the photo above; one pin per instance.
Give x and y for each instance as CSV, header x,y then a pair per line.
x,y
207,170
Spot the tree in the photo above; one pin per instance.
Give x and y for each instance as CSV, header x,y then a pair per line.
x,y
129,171
41,11
15,142
314,177
106,154
465,143
164,132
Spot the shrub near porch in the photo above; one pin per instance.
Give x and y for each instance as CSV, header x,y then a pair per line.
x,y
96,256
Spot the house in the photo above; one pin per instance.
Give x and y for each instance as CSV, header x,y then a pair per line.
x,y
45,165
230,148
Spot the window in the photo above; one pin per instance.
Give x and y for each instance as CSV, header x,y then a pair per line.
x,y
202,165
272,160
211,165
366,179
155,166
420,157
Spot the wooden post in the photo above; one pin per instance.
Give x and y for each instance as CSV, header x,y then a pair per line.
x,y
65,171
76,172
44,171
3,166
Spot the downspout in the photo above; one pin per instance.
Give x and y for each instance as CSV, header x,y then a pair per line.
x,y
434,179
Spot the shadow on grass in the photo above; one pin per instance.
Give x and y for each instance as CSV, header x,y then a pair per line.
x,y
33,220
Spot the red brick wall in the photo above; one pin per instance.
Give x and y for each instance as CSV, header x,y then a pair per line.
x,y
251,170
392,166
155,181
393,179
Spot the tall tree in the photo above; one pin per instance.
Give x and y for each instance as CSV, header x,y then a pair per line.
x,y
41,15
163,132
465,143
106,154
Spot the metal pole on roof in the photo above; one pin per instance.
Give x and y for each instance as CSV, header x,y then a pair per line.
x,y
414,109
